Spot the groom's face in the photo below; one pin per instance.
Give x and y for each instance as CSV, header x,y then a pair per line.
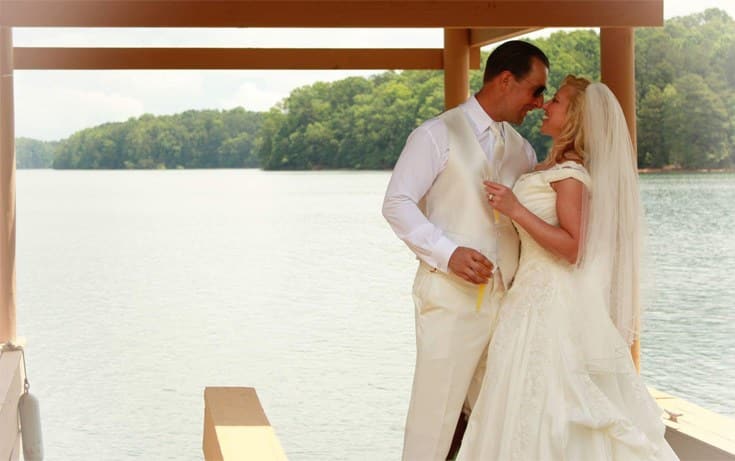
x,y
527,93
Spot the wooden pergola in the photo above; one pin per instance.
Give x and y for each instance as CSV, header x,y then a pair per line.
x,y
467,24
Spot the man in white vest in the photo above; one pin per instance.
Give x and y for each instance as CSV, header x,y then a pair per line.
x,y
468,255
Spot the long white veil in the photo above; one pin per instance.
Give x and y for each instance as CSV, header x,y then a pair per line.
x,y
612,249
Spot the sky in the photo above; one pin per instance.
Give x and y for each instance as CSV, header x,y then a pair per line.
x,y
51,105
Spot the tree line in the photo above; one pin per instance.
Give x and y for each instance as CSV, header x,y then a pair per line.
x,y
685,75
193,139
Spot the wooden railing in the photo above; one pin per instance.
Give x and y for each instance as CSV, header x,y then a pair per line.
x,y
696,433
236,428
11,387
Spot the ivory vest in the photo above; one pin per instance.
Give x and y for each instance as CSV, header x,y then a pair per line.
x,y
456,202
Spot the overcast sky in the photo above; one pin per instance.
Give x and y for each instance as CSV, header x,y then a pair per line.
x,y
52,105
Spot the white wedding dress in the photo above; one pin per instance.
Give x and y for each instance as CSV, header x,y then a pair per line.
x,y
560,383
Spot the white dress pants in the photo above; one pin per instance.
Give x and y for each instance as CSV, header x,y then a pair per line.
x,y
451,341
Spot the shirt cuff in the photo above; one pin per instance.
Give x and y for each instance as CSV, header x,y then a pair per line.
x,y
442,252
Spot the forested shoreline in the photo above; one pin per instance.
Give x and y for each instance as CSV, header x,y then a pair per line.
x,y
685,74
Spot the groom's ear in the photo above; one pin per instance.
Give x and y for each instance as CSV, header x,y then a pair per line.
x,y
504,78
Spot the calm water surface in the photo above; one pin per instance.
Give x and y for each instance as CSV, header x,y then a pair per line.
x,y
137,289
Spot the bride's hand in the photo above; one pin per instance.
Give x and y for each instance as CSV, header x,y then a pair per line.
x,y
501,198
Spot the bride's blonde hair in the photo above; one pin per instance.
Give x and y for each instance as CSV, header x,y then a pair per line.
x,y
570,143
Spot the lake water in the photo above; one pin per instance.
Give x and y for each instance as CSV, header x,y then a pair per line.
x,y
136,289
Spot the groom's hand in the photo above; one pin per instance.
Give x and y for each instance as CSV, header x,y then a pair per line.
x,y
471,265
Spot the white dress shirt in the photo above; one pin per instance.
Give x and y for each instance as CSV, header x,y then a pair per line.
x,y
423,158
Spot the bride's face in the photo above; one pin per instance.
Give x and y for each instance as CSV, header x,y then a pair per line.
x,y
555,112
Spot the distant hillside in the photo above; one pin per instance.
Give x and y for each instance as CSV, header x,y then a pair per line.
x,y
32,153
193,139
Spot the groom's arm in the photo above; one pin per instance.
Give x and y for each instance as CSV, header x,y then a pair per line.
x,y
423,158
420,162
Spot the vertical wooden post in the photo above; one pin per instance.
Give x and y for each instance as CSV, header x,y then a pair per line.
x,y
456,67
617,69
7,189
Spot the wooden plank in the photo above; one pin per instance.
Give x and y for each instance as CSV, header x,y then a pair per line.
x,y
457,55
475,57
326,13
210,444
235,406
11,387
236,428
482,37
8,288
695,432
225,58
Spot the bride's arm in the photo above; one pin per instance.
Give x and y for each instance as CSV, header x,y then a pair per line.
x,y
564,240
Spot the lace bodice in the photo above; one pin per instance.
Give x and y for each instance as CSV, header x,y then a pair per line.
x,y
534,191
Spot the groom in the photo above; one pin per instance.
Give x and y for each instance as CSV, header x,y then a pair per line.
x,y
435,203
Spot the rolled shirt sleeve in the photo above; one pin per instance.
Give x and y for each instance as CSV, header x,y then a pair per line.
x,y
422,159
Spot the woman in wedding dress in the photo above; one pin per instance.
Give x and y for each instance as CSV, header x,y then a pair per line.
x,y
560,382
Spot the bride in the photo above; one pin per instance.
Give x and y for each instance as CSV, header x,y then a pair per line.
x,y
560,383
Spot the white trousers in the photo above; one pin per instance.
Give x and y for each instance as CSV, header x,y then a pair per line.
x,y
451,341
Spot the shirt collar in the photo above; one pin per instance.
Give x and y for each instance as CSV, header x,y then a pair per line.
x,y
481,121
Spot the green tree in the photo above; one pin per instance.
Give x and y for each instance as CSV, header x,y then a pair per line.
x,y
701,125
32,153
193,139
652,139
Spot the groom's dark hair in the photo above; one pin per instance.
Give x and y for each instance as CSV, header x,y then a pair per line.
x,y
514,56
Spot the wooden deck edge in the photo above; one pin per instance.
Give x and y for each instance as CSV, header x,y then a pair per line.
x,y
236,428
696,433
11,387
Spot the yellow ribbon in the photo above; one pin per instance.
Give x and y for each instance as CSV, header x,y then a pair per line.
x,y
480,295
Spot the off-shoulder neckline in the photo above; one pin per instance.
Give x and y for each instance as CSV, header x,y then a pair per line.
x,y
555,167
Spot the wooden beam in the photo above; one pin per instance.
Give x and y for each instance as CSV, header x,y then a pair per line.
x,y
236,428
482,37
456,67
617,71
696,433
226,58
7,190
331,13
475,58
11,388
